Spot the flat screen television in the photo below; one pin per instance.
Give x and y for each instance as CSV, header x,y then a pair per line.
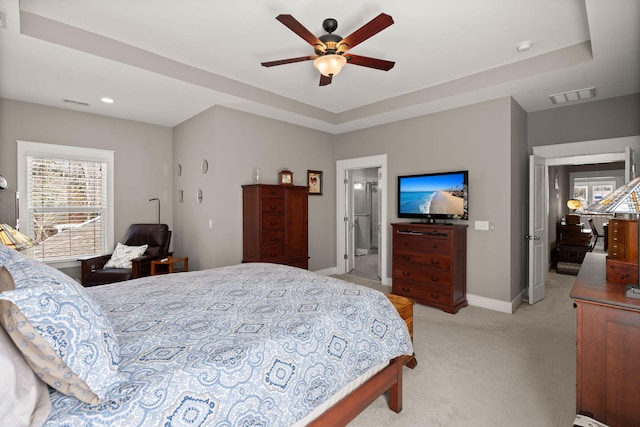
x,y
432,196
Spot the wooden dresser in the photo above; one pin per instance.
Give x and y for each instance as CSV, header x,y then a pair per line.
x,y
622,262
608,347
430,264
275,224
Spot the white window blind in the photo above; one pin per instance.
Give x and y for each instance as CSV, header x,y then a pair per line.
x,y
67,208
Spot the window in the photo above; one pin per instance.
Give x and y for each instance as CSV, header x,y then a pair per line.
x,y
67,207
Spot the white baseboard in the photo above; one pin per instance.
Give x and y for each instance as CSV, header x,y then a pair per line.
x,y
327,271
494,304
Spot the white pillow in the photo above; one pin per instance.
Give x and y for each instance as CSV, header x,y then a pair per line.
x,y
24,398
123,254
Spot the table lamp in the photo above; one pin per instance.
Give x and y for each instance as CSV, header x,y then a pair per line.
x,y
624,200
14,239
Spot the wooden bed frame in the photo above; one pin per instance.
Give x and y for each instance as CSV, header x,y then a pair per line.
x,y
389,379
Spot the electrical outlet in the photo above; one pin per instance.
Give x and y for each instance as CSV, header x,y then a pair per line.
x,y
210,223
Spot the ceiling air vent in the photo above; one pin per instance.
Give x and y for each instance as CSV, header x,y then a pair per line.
x,y
573,95
76,103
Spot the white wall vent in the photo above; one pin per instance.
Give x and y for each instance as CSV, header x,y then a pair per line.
x,y
76,103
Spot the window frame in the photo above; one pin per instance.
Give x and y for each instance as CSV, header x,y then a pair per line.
x,y
28,148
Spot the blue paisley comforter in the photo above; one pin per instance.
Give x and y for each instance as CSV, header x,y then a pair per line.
x,y
246,345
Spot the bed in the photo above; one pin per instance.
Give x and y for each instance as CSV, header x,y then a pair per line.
x,y
246,345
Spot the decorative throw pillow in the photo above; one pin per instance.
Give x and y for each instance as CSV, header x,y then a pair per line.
x,y
60,330
123,254
24,398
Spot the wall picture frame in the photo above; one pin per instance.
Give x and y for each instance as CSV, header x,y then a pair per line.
x,y
314,182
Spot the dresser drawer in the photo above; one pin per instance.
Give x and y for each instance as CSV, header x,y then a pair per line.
x,y
617,251
273,222
417,243
271,238
422,293
272,205
421,275
442,262
272,253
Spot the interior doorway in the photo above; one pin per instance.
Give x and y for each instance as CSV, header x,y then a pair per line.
x,y
585,152
366,211
361,216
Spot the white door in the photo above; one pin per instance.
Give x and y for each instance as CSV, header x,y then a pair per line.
x,y
537,228
350,225
342,190
630,162
379,223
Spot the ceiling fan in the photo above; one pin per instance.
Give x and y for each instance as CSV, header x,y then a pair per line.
x,y
331,49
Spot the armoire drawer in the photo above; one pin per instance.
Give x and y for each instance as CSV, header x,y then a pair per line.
x,y
273,222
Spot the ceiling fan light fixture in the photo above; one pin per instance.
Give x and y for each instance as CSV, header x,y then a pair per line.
x,y
330,65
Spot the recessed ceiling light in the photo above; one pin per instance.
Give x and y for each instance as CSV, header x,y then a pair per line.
x,y
524,46
107,100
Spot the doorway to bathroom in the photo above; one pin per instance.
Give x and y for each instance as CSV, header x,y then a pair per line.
x,y
366,210
362,235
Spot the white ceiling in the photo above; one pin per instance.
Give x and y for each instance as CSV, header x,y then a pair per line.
x,y
164,61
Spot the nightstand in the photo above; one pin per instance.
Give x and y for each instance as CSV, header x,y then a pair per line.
x,y
404,306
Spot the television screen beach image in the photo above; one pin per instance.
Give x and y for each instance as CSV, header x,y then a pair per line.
x,y
433,195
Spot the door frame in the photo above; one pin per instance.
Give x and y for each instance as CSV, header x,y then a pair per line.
x,y
342,167
584,152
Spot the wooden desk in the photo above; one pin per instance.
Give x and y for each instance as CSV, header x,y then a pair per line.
x,y
170,262
608,346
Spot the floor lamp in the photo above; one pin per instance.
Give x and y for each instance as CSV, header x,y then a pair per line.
x,y
624,200
151,200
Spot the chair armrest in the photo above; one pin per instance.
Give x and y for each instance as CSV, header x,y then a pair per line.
x,y
92,264
141,266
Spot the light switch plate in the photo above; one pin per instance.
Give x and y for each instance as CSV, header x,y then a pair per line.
x,y
482,225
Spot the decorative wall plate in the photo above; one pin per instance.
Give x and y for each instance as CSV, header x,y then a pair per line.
x,y
204,166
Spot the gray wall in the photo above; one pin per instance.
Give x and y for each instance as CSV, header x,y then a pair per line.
x,y
235,143
142,154
519,200
607,118
477,138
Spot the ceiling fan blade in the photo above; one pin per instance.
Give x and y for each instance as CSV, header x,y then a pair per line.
x,y
324,80
369,29
288,61
294,25
365,61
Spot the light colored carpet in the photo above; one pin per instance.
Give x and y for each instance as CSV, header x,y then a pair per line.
x,y
484,368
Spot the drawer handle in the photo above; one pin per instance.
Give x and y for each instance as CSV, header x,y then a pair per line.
x,y
406,274
435,296
435,279
406,257
273,222
273,255
435,246
273,207
435,262
405,290
273,239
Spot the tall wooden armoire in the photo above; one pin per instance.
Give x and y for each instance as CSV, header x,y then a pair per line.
x,y
275,224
